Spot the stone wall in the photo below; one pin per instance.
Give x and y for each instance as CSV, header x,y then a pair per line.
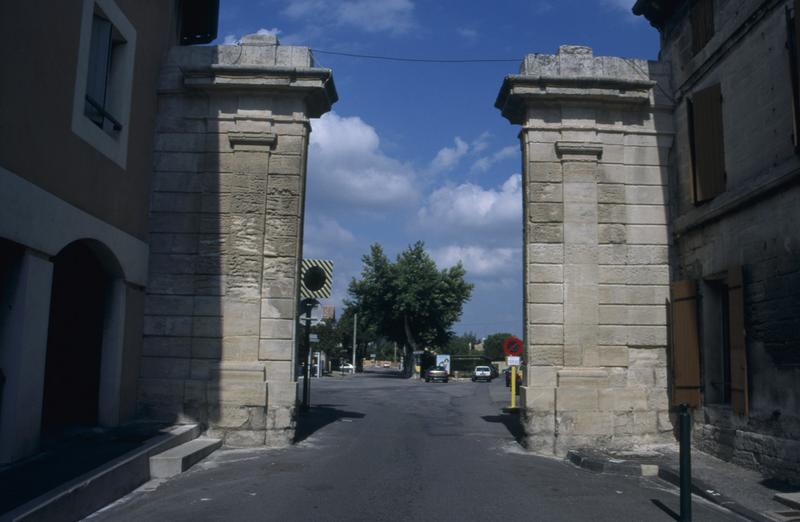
x,y
752,224
226,237
596,134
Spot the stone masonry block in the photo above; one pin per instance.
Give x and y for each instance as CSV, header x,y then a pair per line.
x,y
647,234
546,313
547,253
612,356
546,233
276,350
241,393
540,273
546,334
583,377
546,354
580,192
545,192
277,329
646,195
164,368
592,423
610,234
623,399
539,398
541,376
546,212
545,293
278,308
544,172
576,399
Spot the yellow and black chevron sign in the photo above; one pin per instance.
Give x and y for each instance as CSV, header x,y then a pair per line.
x,y
316,276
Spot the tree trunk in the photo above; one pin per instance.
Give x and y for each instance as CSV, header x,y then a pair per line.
x,y
410,348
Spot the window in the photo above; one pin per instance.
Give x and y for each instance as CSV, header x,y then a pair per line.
x,y
102,58
702,20
710,336
707,143
104,79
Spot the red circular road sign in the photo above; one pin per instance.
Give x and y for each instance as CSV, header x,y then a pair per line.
x,y
512,346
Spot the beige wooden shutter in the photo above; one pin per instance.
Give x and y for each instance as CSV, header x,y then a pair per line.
x,y
685,348
738,345
709,151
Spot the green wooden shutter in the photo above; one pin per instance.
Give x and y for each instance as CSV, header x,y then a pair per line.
x,y
738,345
708,143
685,353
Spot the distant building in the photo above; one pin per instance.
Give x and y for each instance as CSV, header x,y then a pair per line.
x,y
328,312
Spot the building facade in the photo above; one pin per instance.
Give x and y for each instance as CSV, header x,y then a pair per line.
x,y
662,250
76,149
735,205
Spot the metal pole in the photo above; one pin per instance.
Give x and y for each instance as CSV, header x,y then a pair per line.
x,y
307,373
355,328
513,386
686,462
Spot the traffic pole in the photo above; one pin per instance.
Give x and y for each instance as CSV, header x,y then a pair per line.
x,y
308,303
685,462
355,331
513,387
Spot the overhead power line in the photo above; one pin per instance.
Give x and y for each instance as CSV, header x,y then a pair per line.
x,y
416,60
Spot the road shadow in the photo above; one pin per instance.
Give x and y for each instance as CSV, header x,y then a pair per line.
x,y
319,416
665,508
779,485
512,424
391,374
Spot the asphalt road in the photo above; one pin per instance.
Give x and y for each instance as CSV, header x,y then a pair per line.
x,y
378,447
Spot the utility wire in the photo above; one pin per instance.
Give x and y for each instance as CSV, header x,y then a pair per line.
x,y
416,60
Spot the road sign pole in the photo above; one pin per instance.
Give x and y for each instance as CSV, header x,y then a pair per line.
x,y
355,331
513,386
308,304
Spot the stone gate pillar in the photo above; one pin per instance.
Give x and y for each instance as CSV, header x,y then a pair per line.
x,y
596,134
226,237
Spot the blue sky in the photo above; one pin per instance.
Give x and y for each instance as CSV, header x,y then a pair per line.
x,y
417,150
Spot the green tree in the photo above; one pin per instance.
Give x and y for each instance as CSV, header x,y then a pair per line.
x,y
409,301
493,346
462,344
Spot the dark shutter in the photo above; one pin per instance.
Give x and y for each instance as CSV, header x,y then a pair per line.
x,y
708,150
736,336
685,353
793,43
702,20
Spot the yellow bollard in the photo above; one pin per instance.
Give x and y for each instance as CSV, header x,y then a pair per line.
x,y
513,386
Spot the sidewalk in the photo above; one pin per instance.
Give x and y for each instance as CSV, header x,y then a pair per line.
x,y
743,491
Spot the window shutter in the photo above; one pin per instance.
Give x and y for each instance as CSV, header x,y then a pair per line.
x,y
685,347
793,30
736,336
702,20
708,143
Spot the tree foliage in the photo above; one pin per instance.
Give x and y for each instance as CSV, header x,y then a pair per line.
x,y
493,345
410,301
462,344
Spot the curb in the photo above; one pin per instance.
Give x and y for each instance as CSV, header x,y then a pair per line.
x,y
632,468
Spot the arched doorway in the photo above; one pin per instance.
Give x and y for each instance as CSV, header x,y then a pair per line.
x,y
80,296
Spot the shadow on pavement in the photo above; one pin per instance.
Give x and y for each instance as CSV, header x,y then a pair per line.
x,y
666,509
512,424
318,417
392,374
779,485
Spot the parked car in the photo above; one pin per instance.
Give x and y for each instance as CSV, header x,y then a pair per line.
x,y
507,376
437,373
482,373
387,365
493,368
347,368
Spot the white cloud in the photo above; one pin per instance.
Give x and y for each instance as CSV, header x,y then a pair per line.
x,y
372,16
481,143
230,39
448,157
272,32
480,261
326,232
487,162
347,167
467,209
